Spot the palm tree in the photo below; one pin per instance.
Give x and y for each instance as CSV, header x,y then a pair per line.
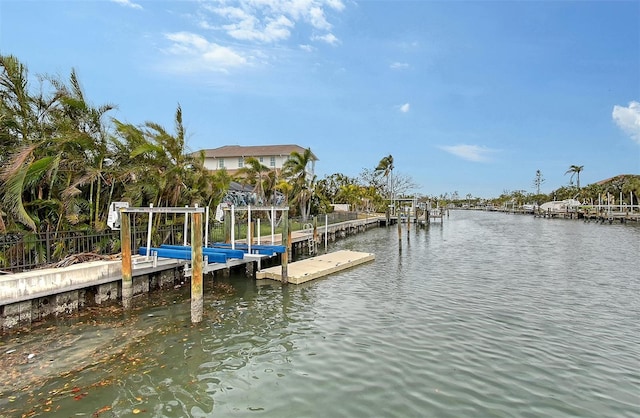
x,y
252,172
295,170
28,126
575,171
55,145
270,188
385,167
85,122
158,163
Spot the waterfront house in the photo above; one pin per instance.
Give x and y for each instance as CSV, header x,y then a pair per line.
x,y
233,157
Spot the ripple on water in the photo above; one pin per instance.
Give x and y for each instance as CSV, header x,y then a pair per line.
x,y
485,315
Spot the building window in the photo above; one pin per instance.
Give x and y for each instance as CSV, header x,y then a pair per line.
x,y
261,159
272,161
221,163
240,162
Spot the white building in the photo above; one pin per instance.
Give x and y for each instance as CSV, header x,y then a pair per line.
x,y
232,157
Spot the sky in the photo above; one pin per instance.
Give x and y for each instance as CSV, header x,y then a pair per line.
x,y
470,97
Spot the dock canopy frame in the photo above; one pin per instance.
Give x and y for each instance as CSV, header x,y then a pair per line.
x,y
196,253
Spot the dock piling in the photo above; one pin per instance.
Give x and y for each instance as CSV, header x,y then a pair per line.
x,y
286,242
125,242
197,293
399,231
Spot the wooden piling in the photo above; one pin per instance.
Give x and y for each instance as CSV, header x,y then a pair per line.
x,y
125,245
399,230
197,293
286,242
315,229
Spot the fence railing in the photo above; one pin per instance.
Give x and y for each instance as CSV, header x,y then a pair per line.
x,y
28,251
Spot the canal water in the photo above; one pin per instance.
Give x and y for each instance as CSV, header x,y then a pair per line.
x,y
484,315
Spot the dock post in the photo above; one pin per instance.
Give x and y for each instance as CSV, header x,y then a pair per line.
x,y
399,230
326,232
249,229
233,227
285,243
227,226
273,228
125,243
206,227
149,232
196,268
315,229
186,228
258,228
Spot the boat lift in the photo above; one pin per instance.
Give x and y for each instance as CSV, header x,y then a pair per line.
x,y
197,252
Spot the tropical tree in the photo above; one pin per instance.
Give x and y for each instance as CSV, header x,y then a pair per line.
x,y
253,173
23,125
162,163
270,188
49,137
220,182
85,125
332,186
385,168
575,171
295,171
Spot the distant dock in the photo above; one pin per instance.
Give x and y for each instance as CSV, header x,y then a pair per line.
x,y
316,267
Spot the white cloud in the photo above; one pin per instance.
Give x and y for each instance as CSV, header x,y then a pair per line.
x,y
196,53
469,152
628,119
405,107
249,29
399,66
328,38
336,4
317,19
270,21
307,48
128,3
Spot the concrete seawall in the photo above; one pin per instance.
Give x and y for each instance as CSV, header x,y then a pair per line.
x,y
35,295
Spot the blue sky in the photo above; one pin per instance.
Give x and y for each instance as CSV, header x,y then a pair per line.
x,y
468,96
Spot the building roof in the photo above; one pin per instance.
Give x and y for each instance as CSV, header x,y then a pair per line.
x,y
254,151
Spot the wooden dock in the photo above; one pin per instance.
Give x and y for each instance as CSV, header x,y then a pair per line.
x,y
316,267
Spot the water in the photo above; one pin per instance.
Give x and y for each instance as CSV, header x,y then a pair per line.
x,y
488,315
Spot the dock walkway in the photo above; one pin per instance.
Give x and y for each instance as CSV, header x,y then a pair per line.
x,y
315,267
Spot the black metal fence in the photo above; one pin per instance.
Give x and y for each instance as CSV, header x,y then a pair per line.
x,y
28,251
